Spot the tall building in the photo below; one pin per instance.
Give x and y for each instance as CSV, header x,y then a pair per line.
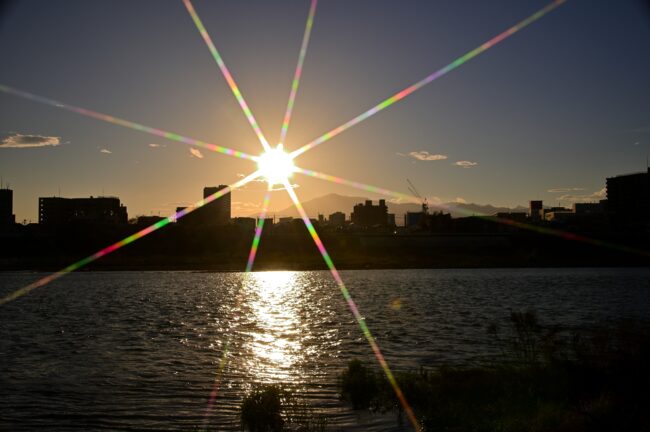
x,y
536,210
63,211
628,198
368,215
6,207
216,212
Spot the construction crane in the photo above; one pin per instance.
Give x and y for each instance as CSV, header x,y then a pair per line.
x,y
414,191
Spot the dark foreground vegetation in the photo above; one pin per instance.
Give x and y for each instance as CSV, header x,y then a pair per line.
x,y
290,247
273,408
547,379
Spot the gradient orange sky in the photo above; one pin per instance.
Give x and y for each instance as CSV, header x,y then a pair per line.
x,y
547,114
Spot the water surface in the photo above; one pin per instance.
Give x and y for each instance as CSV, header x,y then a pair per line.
x,y
144,350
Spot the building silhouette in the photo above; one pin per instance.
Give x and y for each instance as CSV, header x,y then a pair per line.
x,y
94,211
588,208
145,221
414,219
247,224
216,212
628,199
536,210
6,207
369,215
337,219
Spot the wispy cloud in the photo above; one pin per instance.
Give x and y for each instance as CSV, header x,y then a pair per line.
x,y
105,151
154,145
596,196
245,207
431,200
424,155
196,153
465,164
29,141
281,187
565,189
460,200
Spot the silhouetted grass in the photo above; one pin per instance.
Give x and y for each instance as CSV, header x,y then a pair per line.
x,y
272,408
547,380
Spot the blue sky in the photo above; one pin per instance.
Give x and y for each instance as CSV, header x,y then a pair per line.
x,y
547,114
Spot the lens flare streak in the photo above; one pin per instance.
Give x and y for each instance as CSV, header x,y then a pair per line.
x,y
249,267
358,185
226,73
126,123
418,85
258,231
553,232
130,239
353,307
298,74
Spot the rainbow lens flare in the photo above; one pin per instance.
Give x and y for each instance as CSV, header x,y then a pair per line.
x,y
126,123
226,73
357,185
258,231
249,267
429,79
298,74
130,239
353,307
276,166
567,235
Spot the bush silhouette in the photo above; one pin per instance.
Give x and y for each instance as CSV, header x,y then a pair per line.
x,y
262,409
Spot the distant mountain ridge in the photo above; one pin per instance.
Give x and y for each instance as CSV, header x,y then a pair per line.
x,y
331,203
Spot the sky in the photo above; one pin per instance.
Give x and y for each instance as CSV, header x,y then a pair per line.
x,y
547,114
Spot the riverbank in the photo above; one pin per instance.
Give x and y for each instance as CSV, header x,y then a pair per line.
x,y
347,252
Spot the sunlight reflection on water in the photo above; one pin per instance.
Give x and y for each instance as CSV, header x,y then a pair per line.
x,y
142,350
275,344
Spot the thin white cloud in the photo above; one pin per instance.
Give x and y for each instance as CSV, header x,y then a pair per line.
x,y
245,206
596,196
424,155
565,189
105,151
465,164
196,153
29,141
460,200
154,145
431,200
281,187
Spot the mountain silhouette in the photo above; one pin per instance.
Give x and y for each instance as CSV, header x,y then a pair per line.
x,y
331,203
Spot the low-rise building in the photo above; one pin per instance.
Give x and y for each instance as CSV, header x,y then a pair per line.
x,y
66,211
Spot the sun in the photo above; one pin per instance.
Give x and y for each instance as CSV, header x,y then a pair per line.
x,y
276,165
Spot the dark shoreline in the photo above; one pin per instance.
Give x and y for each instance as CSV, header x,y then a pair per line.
x,y
228,251
222,269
